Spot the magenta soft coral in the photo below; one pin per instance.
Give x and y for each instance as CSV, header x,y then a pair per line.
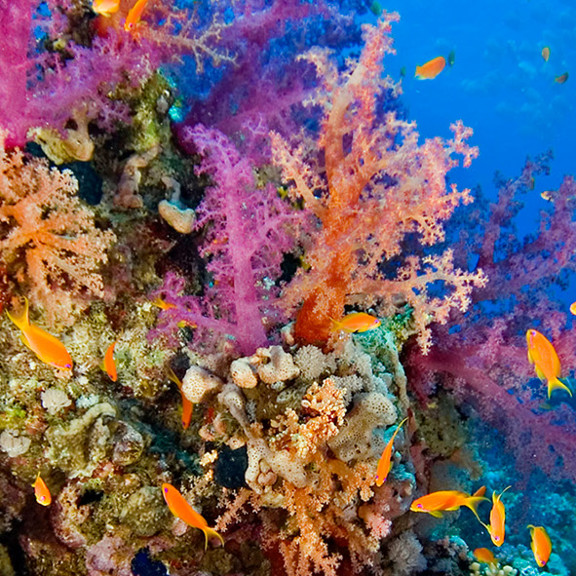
x,y
247,232
481,356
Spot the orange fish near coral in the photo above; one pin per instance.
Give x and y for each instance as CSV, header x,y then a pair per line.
x,y
385,462
356,322
542,354
187,406
562,78
41,491
105,7
181,509
448,500
573,308
47,347
541,544
545,53
162,304
431,69
484,555
108,364
134,15
497,526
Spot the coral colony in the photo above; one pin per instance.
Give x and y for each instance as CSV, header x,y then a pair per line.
x,y
236,286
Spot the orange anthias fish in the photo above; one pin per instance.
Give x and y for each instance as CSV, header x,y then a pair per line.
x,y
562,78
356,322
181,509
573,308
41,491
485,555
542,354
541,545
497,526
162,304
105,7
385,462
187,406
134,15
545,53
431,69
47,347
448,500
108,364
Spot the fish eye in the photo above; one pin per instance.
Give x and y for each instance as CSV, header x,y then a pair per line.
x,y
497,538
419,506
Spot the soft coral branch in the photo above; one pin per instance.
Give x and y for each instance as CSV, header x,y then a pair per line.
x,y
247,231
377,185
47,227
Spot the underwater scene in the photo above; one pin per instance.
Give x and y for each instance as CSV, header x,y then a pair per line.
x,y
287,288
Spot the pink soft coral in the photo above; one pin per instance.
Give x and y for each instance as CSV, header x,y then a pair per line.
x,y
48,239
247,232
379,186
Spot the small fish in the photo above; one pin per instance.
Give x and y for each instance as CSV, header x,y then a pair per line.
x,y
541,545
187,406
47,347
376,8
385,462
562,78
547,195
162,304
431,69
451,58
134,15
484,555
497,526
573,308
108,364
356,322
448,500
181,509
542,354
41,491
546,53
105,7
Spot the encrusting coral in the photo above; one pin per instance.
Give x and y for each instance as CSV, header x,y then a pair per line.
x,y
312,459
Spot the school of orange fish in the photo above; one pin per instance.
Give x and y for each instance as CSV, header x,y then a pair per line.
x,y
541,353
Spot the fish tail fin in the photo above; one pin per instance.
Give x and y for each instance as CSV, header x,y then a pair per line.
x,y
473,502
174,378
555,384
210,532
335,325
21,319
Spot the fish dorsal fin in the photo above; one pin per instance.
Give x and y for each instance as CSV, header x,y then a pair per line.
x,y
557,384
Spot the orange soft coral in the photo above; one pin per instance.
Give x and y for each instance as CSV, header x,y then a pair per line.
x,y
48,238
379,185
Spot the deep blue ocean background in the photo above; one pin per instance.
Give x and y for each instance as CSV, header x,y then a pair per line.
x,y
499,84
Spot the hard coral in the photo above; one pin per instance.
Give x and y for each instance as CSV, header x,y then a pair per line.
x,y
296,476
45,223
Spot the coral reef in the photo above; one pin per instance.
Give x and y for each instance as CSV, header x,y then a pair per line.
x,y
207,192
